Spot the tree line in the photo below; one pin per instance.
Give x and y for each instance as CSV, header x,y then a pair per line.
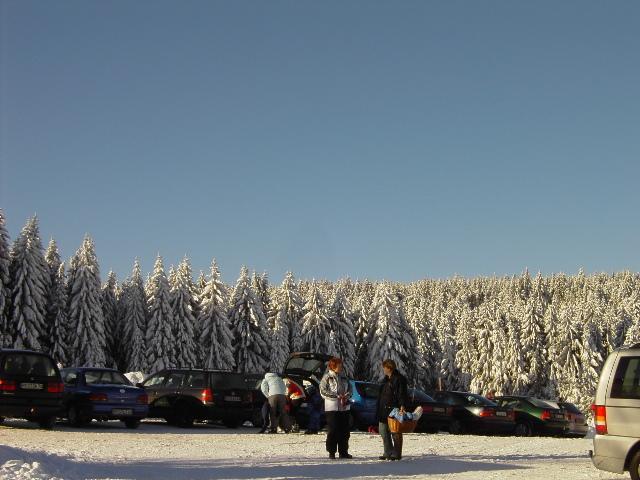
x,y
544,336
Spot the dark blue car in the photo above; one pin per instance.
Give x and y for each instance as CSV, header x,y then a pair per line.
x,y
102,394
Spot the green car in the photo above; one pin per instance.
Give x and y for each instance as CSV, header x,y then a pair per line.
x,y
535,416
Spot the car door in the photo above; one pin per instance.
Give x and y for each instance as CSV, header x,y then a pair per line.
x,y
70,380
153,387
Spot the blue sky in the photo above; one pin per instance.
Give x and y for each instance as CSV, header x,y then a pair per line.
x,y
395,140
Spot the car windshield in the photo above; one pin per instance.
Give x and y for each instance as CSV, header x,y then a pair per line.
x,y
104,377
473,399
28,364
570,407
419,396
536,402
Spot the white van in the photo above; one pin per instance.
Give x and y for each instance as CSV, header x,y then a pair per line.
x,y
616,414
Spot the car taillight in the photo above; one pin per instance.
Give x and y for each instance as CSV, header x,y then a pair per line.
x,y
98,397
485,412
55,387
546,415
142,399
7,385
206,396
600,418
427,408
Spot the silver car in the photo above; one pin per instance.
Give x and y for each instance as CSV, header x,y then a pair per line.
x,y
616,414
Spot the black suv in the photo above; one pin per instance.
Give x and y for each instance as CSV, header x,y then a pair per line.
x,y
30,387
182,396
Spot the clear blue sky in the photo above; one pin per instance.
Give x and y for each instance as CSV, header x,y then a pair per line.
x,y
395,140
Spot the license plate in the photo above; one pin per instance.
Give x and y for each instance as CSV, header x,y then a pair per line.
x,y
501,414
438,410
122,411
231,398
31,386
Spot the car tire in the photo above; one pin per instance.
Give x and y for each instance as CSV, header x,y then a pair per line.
x,y
456,427
523,429
184,417
634,466
131,423
76,418
46,422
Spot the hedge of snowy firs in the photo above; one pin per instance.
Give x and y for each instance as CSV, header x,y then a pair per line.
x,y
546,336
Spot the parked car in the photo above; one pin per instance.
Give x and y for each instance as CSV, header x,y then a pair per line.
x,y
30,387
474,413
578,426
616,414
306,369
182,396
535,416
101,394
436,416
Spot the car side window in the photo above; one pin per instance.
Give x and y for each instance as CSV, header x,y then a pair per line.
x,y
155,380
71,378
195,380
626,381
174,380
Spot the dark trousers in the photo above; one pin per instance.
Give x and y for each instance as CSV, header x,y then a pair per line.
x,y
278,412
392,441
265,415
338,432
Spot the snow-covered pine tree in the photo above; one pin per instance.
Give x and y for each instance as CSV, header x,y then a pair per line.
x,y
565,352
482,367
85,309
316,326
160,340
290,301
29,279
448,370
466,346
186,351
515,380
60,335
112,326
364,327
344,338
5,291
392,336
216,337
249,328
133,308
428,347
279,337
260,284
52,257
534,343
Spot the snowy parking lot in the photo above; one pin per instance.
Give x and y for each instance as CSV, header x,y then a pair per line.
x,y
157,451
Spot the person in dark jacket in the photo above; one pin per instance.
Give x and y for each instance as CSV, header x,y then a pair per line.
x,y
393,394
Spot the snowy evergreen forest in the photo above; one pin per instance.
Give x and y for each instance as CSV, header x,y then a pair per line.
x,y
546,336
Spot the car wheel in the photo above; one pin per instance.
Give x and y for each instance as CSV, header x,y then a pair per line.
x,y
47,422
131,423
456,427
523,429
184,416
231,422
76,418
634,466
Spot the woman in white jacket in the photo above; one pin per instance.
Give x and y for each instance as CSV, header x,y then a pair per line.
x,y
335,388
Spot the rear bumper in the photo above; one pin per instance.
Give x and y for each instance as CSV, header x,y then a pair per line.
x,y
106,411
610,452
30,411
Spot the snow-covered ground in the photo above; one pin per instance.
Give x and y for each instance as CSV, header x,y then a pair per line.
x,y
157,451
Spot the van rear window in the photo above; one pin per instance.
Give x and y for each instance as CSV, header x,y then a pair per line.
x,y
230,381
626,382
27,364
